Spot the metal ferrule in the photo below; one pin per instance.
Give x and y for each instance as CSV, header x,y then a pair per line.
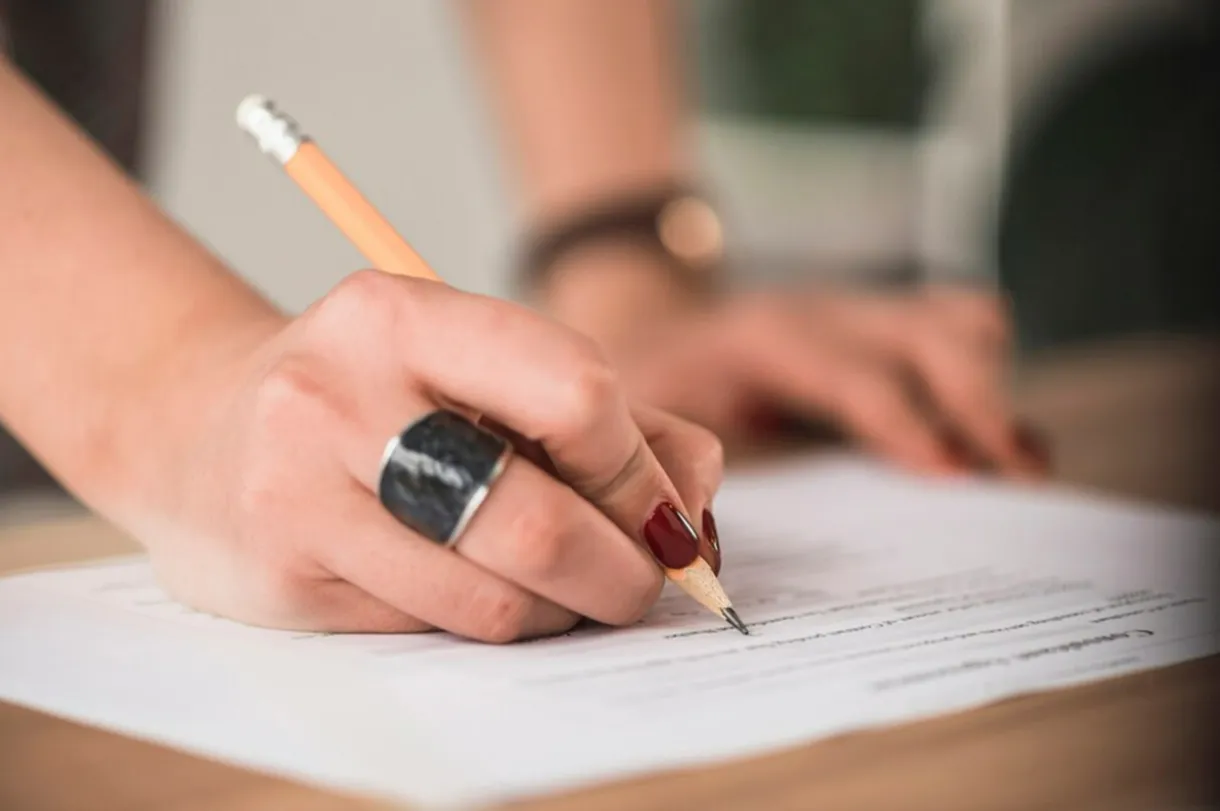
x,y
276,133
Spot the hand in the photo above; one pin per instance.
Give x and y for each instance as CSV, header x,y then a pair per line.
x,y
919,378
261,505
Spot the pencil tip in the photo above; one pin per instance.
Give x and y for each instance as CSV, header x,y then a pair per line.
x,y
731,616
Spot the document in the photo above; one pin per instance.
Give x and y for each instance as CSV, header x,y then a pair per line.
x,y
872,598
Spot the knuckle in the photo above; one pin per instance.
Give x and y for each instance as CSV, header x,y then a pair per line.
x,y
286,406
499,615
590,391
364,290
286,409
930,350
962,388
949,370
874,399
639,597
364,301
285,392
535,538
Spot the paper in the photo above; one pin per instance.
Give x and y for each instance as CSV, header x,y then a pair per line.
x,y
872,598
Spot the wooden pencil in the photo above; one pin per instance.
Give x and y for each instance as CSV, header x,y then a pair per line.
x,y
279,136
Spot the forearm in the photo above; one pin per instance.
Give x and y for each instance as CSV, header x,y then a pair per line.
x,y
592,107
589,94
103,301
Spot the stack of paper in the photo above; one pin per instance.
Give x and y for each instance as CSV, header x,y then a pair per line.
x,y
872,598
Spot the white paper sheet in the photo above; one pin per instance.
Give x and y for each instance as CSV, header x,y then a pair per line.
x,y
872,598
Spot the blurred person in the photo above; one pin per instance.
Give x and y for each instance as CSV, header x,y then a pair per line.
x,y
625,247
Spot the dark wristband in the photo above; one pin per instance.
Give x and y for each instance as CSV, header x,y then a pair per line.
x,y
679,226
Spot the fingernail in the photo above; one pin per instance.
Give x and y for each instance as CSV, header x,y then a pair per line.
x,y
671,538
713,540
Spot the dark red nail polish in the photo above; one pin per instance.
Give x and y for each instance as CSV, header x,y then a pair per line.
x,y
671,539
713,540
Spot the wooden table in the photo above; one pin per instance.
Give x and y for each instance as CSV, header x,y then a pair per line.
x,y
1141,419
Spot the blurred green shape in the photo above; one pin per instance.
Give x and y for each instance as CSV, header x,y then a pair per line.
x,y
814,62
1110,222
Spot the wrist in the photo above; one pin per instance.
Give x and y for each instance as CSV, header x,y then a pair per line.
x,y
618,268
161,414
619,294
678,227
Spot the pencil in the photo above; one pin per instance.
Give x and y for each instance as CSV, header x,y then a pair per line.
x,y
279,136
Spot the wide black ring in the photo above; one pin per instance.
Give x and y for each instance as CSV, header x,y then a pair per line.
x,y
437,472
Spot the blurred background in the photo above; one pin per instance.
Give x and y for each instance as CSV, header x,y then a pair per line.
x,y
1063,149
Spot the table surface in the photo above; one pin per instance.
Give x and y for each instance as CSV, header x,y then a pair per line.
x,y
1139,419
